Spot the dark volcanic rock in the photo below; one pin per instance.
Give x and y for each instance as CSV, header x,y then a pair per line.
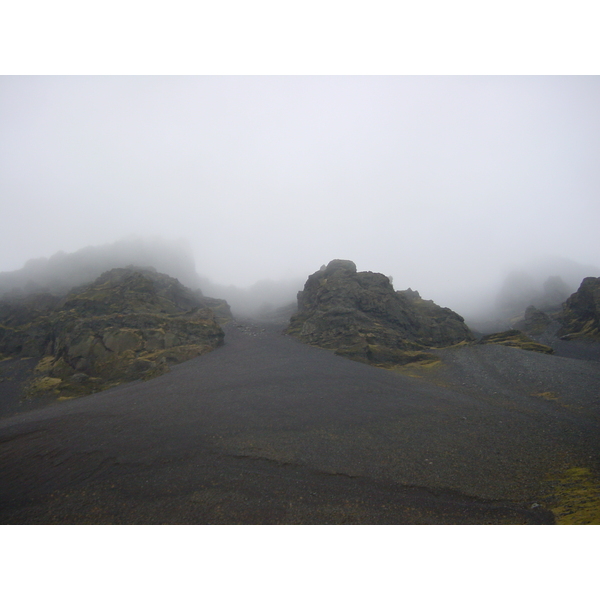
x,y
128,324
359,315
581,314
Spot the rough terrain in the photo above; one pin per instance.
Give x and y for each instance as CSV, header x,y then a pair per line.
x,y
266,430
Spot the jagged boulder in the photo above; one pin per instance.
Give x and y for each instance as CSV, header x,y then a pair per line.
x,y
128,324
359,315
581,313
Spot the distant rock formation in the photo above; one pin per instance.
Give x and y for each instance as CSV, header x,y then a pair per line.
x,y
535,321
520,290
129,324
257,300
555,292
360,316
580,317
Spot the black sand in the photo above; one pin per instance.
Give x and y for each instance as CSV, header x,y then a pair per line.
x,y
268,430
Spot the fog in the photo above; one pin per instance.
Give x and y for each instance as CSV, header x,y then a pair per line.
x,y
447,184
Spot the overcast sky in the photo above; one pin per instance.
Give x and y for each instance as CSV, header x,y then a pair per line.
x,y
442,182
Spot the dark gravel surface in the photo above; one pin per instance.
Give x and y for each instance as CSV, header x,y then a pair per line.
x,y
581,349
268,430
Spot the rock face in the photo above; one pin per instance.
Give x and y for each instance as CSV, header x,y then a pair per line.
x,y
581,313
359,315
128,324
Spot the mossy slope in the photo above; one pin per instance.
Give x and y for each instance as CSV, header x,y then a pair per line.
x,y
128,324
575,498
515,339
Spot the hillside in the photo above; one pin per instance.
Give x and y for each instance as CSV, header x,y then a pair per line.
x,y
128,324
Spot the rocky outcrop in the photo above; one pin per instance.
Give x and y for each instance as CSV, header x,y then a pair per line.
x,y
359,315
580,317
128,324
515,339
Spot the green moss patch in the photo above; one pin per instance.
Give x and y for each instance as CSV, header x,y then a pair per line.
x,y
546,395
385,357
575,497
45,365
589,331
42,386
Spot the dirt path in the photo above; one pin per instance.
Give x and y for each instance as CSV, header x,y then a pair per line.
x,y
267,430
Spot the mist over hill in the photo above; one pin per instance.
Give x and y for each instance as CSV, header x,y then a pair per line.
x,y
259,299
62,271
545,283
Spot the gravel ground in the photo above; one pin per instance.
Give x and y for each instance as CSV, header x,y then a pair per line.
x,y
268,430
